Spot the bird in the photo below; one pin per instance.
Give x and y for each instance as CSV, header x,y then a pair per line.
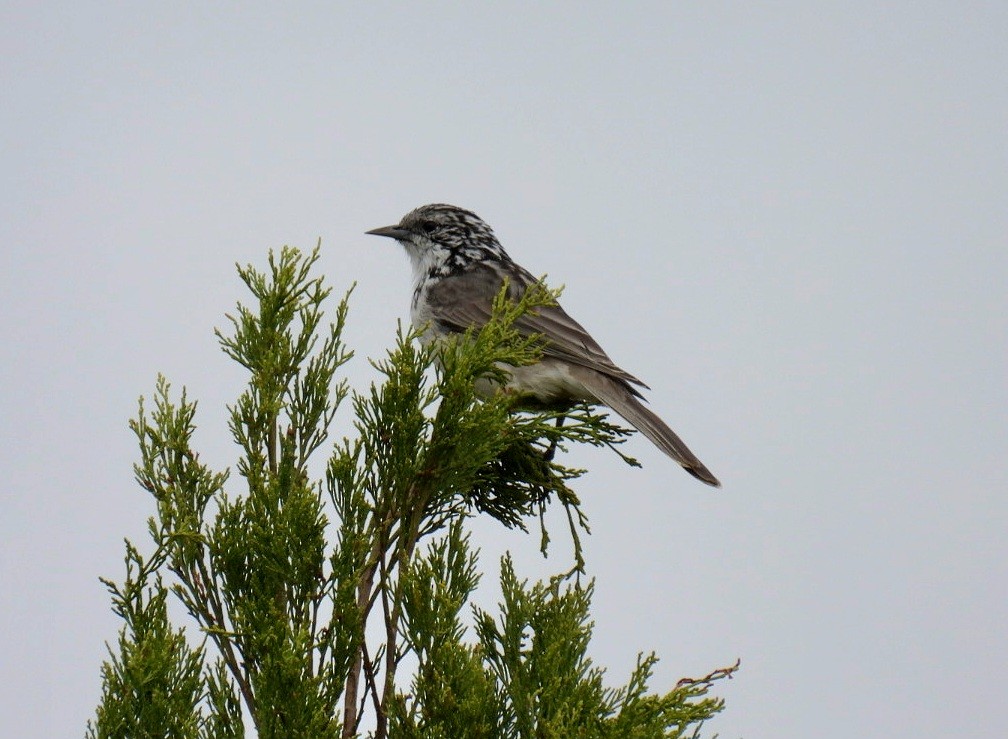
x,y
459,267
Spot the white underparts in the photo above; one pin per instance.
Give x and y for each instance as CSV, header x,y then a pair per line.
x,y
547,381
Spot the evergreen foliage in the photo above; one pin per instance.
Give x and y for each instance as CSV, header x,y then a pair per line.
x,y
311,596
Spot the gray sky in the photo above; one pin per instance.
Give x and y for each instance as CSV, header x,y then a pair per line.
x,y
789,220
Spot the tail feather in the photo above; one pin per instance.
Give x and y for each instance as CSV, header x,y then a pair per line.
x,y
621,399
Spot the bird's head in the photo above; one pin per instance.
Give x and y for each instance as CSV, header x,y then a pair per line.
x,y
444,239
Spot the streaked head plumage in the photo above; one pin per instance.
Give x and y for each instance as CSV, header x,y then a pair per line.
x,y
442,238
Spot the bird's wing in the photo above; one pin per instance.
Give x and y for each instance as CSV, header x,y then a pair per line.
x,y
465,300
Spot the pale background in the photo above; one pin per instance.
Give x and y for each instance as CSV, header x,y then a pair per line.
x,y
790,220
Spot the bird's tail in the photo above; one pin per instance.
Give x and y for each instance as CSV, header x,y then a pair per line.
x,y
618,396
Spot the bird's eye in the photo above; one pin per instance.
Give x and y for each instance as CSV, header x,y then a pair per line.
x,y
428,227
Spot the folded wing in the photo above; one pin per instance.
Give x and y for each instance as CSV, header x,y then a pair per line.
x,y
465,300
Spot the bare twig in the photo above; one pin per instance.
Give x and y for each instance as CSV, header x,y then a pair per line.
x,y
350,712
369,676
718,674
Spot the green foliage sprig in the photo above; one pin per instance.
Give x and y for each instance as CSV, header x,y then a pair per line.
x,y
314,596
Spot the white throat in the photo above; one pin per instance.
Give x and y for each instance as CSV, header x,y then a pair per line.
x,y
424,261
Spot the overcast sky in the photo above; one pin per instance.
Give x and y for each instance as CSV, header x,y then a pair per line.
x,y
791,221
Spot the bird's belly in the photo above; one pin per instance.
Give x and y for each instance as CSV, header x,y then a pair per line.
x,y
546,384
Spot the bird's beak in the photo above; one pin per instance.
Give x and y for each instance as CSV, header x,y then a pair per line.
x,y
393,232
